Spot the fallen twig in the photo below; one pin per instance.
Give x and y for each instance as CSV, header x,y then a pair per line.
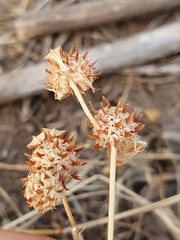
x,y
85,14
134,50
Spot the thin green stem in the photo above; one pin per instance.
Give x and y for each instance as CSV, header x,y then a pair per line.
x,y
112,185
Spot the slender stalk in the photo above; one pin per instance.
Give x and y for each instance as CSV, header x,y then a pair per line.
x,y
83,104
112,184
75,231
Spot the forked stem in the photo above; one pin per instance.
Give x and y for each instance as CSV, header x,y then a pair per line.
x,y
75,231
112,180
83,104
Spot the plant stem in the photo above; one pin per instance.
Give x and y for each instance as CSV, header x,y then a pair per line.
x,y
112,184
83,104
75,231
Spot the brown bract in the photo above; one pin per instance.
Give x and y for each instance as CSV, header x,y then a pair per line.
x,y
52,164
118,127
66,67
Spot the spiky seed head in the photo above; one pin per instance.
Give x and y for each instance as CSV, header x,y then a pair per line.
x,y
52,164
66,67
117,127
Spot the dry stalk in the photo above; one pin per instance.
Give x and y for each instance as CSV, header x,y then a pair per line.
x,y
54,160
163,214
46,232
83,104
18,221
156,207
10,201
75,231
112,186
13,167
150,207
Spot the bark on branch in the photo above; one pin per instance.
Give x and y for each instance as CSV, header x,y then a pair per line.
x,y
132,51
85,14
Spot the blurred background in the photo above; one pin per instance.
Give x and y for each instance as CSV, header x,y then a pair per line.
x,y
137,44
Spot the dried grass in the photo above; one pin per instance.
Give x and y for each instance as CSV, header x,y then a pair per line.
x,y
147,189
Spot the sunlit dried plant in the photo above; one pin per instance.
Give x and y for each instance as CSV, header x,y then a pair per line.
x,y
52,164
118,127
67,67
54,161
117,133
71,74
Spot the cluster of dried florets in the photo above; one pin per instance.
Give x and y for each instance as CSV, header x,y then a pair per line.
x,y
54,159
67,67
118,127
52,164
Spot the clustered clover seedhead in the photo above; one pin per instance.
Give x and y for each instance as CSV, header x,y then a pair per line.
x,y
67,67
52,164
117,127
54,161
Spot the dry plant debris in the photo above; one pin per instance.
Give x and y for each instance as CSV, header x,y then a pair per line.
x,y
66,67
118,127
152,177
52,164
53,161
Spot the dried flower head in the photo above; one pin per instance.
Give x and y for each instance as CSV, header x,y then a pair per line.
x,y
117,127
67,67
52,163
